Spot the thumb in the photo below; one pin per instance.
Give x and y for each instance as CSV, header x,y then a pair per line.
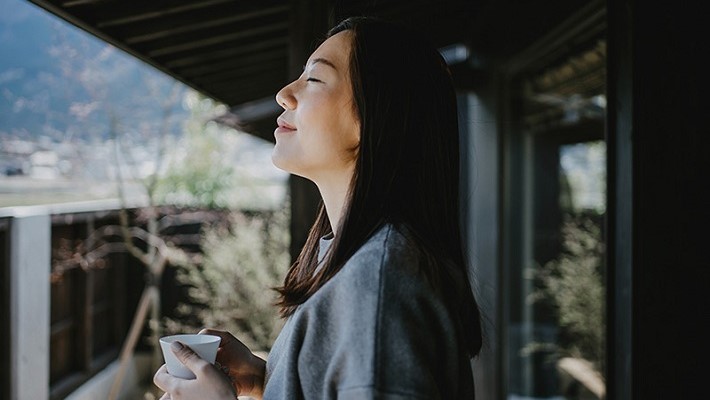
x,y
188,357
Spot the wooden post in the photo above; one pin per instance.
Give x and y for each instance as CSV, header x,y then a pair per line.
x,y
30,248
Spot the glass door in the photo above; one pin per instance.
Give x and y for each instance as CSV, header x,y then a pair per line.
x,y
554,268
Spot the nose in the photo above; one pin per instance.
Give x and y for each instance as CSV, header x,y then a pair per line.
x,y
285,98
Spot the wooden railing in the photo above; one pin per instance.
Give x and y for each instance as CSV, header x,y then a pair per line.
x,y
61,328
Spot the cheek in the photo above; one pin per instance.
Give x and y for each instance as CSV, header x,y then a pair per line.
x,y
350,128
350,143
354,136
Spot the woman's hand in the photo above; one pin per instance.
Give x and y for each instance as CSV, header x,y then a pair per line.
x,y
209,384
245,370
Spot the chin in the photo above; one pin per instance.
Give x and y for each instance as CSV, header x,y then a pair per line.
x,y
277,161
281,162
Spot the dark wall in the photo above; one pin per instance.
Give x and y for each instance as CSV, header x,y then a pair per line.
x,y
671,271
658,133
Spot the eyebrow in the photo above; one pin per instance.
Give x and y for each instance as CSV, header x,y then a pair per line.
x,y
323,61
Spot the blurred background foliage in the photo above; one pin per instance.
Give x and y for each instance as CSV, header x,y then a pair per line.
x,y
573,285
231,289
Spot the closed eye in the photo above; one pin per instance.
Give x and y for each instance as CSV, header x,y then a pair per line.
x,y
313,80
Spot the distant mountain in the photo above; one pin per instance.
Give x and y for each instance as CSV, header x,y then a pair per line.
x,y
60,82
24,30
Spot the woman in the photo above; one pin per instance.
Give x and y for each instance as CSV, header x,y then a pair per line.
x,y
378,304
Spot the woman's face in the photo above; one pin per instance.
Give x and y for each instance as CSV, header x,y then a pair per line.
x,y
319,133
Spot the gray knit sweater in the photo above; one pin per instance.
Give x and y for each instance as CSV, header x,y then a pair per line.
x,y
376,330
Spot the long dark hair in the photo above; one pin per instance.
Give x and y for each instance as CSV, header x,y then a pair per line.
x,y
406,173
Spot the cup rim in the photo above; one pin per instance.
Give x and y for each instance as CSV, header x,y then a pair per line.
x,y
206,339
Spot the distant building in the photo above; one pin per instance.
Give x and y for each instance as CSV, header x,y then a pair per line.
x,y
44,165
14,157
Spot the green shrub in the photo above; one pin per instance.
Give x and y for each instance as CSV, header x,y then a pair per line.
x,y
573,284
231,288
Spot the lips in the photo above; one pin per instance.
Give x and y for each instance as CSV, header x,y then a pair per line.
x,y
285,125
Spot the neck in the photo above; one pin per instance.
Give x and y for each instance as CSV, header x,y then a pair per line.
x,y
334,193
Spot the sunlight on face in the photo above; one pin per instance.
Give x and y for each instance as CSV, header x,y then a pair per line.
x,y
318,131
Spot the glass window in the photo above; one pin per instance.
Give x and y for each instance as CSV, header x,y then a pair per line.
x,y
555,283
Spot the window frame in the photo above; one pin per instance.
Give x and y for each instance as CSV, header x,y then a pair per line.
x,y
516,156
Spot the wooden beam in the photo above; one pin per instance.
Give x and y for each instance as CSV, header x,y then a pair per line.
x,y
74,3
247,75
247,62
216,40
198,57
172,27
259,82
151,10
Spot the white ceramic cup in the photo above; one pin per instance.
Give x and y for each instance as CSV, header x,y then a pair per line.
x,y
204,345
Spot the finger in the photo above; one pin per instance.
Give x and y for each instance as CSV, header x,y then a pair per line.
x,y
208,331
163,380
189,358
225,336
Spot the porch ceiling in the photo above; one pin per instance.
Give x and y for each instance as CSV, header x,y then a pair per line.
x,y
237,52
